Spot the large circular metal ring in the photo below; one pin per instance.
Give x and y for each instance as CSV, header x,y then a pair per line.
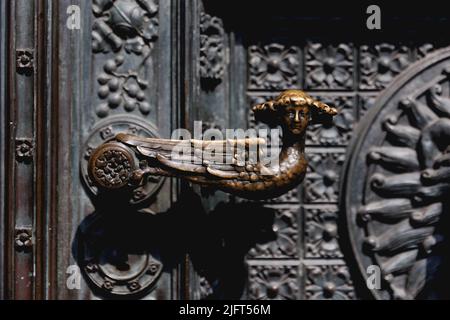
x,y
393,213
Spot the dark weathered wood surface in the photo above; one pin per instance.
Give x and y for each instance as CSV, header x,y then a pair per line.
x,y
207,60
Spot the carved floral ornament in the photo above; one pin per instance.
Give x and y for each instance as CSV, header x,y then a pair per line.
x,y
128,24
24,149
328,282
273,283
329,66
273,66
397,196
337,132
23,240
321,232
322,180
381,63
285,245
212,48
24,60
124,30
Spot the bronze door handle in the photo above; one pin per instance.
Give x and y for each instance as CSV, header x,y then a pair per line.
x,y
235,166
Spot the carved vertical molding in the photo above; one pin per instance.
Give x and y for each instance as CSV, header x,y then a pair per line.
x,y
3,148
125,80
212,59
125,32
22,205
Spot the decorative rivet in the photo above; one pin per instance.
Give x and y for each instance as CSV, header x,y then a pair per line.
x,y
152,269
91,268
107,133
273,290
133,286
24,60
24,149
329,288
88,152
138,194
23,239
108,285
133,130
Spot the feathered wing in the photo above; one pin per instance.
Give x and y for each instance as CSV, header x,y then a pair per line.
x,y
208,161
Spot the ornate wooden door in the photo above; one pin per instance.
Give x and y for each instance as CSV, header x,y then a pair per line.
x,y
74,73
80,71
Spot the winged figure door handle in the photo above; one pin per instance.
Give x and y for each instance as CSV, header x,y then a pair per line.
x,y
240,166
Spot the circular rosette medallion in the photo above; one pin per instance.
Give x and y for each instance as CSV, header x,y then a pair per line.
x,y
136,274
115,164
117,259
397,183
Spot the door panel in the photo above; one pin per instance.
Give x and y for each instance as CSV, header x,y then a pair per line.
x,y
325,51
72,88
117,76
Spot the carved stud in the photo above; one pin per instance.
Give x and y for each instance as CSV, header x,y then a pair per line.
x,y
329,288
24,60
153,269
371,243
406,103
91,268
363,216
446,71
134,286
108,285
107,133
377,181
429,243
23,239
24,149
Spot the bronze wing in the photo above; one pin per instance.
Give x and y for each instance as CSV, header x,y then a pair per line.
x,y
207,162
